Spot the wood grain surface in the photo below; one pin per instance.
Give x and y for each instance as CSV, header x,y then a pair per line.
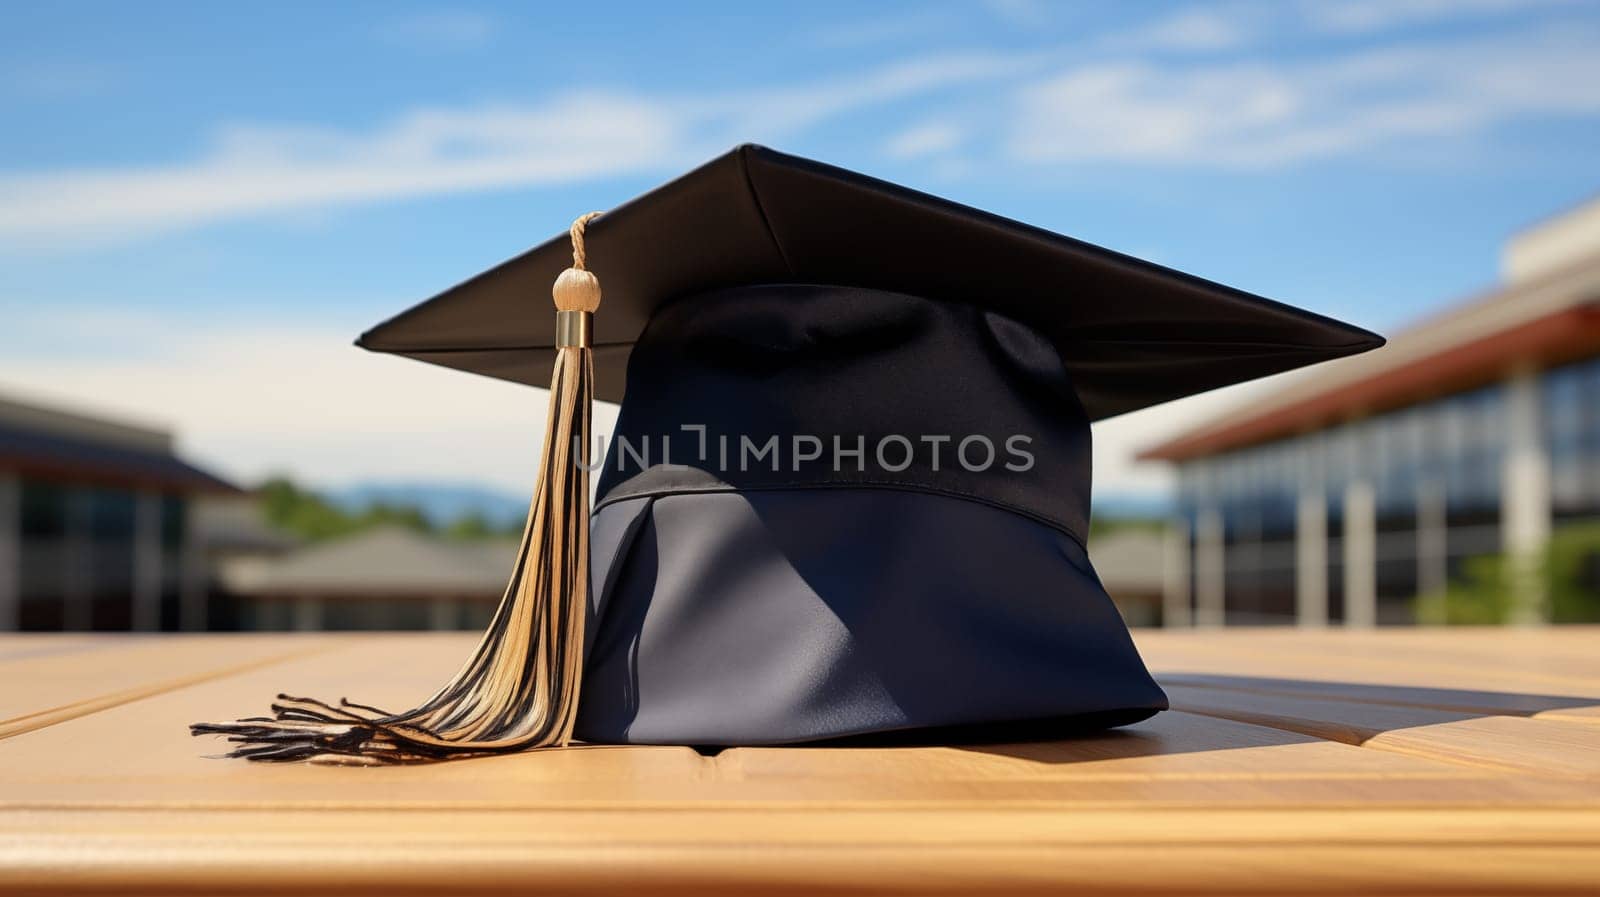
x,y
1294,762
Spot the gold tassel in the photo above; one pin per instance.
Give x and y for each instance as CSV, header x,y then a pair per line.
x,y
520,688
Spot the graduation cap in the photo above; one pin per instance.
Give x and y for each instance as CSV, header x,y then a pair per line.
x,y
848,494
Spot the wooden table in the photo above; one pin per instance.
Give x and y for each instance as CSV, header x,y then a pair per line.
x,y
1400,761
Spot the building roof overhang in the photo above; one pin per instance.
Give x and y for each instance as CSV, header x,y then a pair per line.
x,y
49,456
1542,322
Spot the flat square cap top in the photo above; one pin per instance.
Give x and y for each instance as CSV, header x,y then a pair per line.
x,y
1131,333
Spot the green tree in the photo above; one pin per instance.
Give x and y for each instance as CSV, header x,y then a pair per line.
x,y
1570,569
470,526
304,513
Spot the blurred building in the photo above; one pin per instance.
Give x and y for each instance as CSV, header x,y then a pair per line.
x,y
96,525
1368,482
1122,559
382,578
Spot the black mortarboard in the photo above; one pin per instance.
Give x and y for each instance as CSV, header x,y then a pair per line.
x,y
848,493
1132,334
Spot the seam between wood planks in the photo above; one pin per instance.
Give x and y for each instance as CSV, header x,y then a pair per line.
x,y
735,807
31,722
73,647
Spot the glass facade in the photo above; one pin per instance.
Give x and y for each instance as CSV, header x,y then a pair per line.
x,y
1435,470
1571,398
77,557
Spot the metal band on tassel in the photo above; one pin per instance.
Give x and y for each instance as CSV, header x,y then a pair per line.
x,y
574,330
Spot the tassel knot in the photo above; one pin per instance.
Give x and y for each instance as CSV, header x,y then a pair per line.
x,y
577,289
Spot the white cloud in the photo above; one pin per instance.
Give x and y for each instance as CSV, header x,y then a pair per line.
x,y
1261,114
929,139
884,30
1195,30
1020,13
1360,16
1221,26
774,112
1141,112
252,170
1118,441
1125,109
439,30
251,398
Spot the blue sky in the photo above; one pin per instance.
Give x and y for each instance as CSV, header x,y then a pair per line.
x,y
201,206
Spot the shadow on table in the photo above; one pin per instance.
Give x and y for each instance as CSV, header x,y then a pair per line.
x,y
1218,712
1078,739
1276,712
1469,701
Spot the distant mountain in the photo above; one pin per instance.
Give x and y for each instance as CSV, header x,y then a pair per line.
x,y
441,503
1132,505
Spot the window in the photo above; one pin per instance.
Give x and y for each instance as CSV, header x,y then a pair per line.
x,y
1571,410
1475,448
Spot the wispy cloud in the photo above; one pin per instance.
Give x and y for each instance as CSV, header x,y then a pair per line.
x,y
1125,104
253,169
1249,114
443,30
1237,24
1195,30
254,397
776,112
885,29
1021,13
928,139
1362,16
